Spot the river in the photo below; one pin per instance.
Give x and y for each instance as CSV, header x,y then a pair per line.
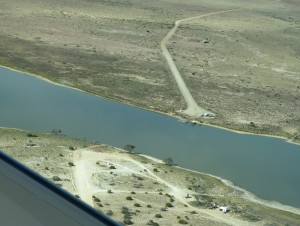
x,y
267,166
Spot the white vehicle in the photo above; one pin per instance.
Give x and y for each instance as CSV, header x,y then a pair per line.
x,y
208,115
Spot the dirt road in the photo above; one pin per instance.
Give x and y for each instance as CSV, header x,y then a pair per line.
x,y
82,178
193,109
85,167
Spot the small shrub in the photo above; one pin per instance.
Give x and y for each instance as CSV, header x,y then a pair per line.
x,y
137,205
56,178
127,221
96,199
169,205
149,206
152,223
72,148
182,221
140,178
109,191
193,212
168,161
31,135
155,170
129,198
158,215
133,192
252,124
61,155
71,164
172,200
46,168
112,167
109,213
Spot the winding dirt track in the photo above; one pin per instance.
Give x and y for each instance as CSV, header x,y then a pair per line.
x,y
192,107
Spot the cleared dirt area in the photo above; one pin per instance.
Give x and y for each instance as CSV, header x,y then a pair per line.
x,y
140,189
247,72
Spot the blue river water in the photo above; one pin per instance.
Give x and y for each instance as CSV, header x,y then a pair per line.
x,y
268,167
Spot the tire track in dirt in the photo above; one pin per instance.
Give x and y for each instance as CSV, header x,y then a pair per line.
x,y
193,109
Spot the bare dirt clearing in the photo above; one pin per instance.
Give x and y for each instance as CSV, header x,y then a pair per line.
x,y
129,186
96,165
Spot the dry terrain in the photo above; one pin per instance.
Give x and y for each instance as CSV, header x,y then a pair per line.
x,y
247,70
138,189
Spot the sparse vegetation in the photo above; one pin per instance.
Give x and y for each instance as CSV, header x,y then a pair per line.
x,y
129,198
169,205
182,221
71,164
158,215
137,205
127,221
96,199
144,205
56,178
129,148
109,213
169,161
31,135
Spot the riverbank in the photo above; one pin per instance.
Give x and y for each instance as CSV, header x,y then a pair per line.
x,y
246,194
244,88
113,175
171,114
88,116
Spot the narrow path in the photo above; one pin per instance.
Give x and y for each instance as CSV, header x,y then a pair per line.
x,y
82,178
193,109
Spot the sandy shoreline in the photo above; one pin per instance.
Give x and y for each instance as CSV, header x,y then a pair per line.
x,y
248,194
148,109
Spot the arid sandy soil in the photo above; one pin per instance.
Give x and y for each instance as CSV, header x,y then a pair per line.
x,y
242,65
138,188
